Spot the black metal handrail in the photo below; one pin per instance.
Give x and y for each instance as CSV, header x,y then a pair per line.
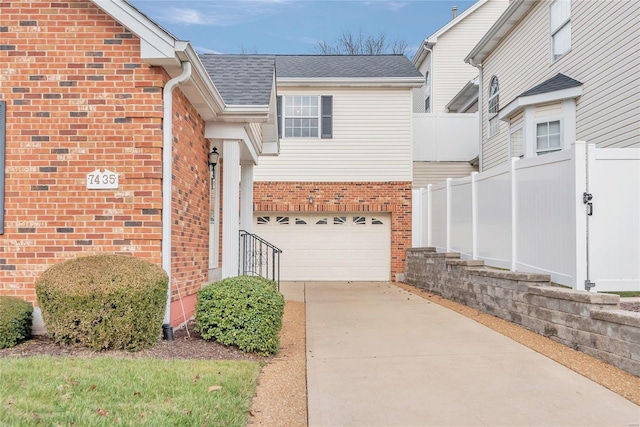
x,y
258,257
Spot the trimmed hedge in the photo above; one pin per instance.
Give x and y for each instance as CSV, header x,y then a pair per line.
x,y
16,317
243,311
104,302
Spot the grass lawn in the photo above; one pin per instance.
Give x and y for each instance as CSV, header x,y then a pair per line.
x,y
125,392
625,294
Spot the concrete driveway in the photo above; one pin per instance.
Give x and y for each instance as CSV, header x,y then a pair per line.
x,y
380,356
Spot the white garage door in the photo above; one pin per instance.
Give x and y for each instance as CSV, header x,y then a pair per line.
x,y
353,247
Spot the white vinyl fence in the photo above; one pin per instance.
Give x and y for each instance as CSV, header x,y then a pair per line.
x,y
530,215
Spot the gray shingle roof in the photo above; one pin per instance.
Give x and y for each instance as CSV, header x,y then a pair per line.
x,y
241,79
344,66
247,79
557,82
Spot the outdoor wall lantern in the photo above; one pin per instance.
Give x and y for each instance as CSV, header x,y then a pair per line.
x,y
310,200
213,159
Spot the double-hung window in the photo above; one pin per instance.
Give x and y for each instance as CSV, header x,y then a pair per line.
x,y
427,93
494,105
560,14
548,137
304,116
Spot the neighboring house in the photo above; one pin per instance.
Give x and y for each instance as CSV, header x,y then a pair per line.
x,y
106,126
337,199
446,138
554,72
559,187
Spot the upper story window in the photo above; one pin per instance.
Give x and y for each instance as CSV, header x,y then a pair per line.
x,y
494,106
560,14
304,116
427,93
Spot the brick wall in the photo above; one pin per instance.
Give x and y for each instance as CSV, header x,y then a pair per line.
x,y
390,197
80,98
190,222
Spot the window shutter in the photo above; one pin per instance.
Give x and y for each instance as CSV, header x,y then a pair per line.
x,y
279,108
3,133
327,117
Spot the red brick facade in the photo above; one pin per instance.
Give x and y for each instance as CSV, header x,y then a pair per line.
x,y
391,197
78,98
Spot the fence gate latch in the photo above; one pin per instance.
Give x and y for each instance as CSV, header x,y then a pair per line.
x,y
586,199
588,284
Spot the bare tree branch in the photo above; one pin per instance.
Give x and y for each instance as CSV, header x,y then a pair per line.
x,y
349,43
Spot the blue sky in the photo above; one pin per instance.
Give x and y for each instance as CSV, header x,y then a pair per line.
x,y
295,26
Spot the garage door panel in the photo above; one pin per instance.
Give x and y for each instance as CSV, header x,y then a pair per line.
x,y
329,246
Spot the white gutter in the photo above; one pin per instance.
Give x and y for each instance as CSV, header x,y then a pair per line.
x,y
480,109
351,81
167,170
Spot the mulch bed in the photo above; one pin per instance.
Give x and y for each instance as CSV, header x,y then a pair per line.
x,y
185,346
630,306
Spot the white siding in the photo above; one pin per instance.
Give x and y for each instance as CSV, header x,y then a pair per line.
x,y
605,56
425,173
450,72
371,140
517,119
553,109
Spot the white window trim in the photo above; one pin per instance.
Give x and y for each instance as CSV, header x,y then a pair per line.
x,y
548,119
553,32
493,116
285,117
567,127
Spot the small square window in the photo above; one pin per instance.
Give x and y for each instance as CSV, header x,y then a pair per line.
x,y
339,220
548,137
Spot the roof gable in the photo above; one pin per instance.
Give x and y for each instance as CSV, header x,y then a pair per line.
x,y
516,12
555,83
241,79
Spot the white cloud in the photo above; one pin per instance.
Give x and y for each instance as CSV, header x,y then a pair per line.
x,y
205,50
393,6
220,13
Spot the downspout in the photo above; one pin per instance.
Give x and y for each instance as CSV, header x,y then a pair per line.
x,y
167,172
480,107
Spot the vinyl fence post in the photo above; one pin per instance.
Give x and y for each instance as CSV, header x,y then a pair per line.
x,y
429,217
474,217
581,180
416,218
514,216
448,213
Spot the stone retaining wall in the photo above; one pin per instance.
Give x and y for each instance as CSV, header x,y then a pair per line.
x,y
589,322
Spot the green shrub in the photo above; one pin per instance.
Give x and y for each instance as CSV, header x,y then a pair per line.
x,y
244,311
103,302
16,317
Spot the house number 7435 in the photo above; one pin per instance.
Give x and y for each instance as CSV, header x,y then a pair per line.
x,y
101,180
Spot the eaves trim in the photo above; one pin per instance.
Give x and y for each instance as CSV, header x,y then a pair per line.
x,y
521,102
512,15
356,82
